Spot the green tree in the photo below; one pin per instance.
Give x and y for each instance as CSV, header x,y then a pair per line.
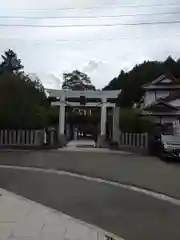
x,y
130,121
77,80
23,103
10,62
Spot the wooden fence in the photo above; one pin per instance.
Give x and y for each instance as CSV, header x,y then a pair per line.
x,y
21,137
139,140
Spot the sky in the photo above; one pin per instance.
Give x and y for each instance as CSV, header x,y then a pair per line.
x,y
100,51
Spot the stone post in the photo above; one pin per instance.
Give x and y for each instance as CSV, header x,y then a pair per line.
x,y
102,137
116,129
62,140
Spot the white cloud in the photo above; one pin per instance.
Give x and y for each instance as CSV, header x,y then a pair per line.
x,y
100,51
91,66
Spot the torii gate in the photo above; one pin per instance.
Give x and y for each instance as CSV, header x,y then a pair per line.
x,y
103,96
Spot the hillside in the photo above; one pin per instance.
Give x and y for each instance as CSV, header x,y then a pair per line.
x,y
131,82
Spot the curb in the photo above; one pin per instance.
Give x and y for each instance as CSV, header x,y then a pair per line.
x,y
145,191
93,150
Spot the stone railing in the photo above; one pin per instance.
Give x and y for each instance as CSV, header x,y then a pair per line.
x,y
138,140
21,137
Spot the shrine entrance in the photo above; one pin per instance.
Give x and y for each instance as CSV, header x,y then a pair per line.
x,y
82,122
84,104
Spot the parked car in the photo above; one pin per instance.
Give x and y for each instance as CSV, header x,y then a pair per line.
x,y
167,146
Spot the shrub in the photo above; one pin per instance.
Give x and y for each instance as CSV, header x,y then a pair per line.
x,y
131,121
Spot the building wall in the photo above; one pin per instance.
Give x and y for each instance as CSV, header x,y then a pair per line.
x,y
164,119
149,98
169,123
168,119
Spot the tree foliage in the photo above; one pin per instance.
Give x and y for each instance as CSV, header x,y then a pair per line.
x,y
131,82
77,80
10,62
130,121
23,102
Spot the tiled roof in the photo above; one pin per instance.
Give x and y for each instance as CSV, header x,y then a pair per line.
x,y
161,78
166,104
172,96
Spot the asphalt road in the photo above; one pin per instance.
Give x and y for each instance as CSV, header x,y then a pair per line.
x,y
126,213
142,171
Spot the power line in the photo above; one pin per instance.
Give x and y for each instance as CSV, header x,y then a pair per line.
x,y
100,7
89,17
89,40
91,25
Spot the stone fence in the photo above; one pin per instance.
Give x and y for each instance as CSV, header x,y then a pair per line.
x,y
134,139
135,142
33,138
